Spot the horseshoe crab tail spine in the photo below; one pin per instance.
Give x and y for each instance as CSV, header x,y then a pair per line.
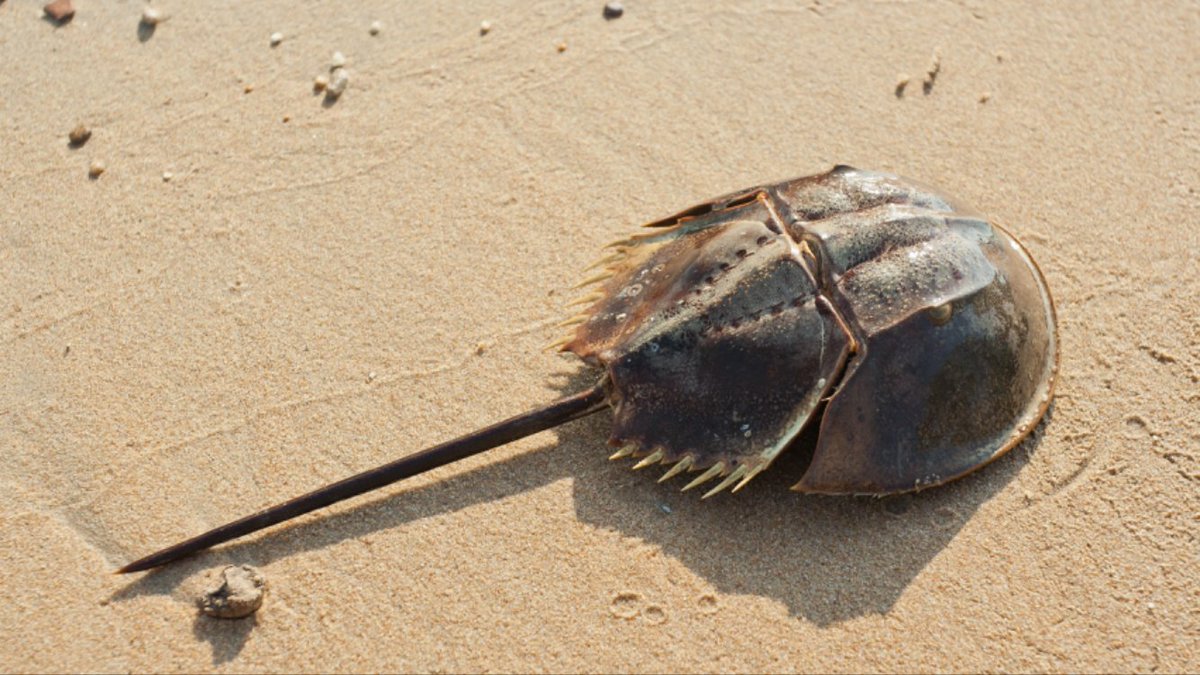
x,y
514,428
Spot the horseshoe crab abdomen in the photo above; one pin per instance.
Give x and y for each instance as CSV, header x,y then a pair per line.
x,y
716,346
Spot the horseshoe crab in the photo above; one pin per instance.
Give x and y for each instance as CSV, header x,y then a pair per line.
x,y
919,336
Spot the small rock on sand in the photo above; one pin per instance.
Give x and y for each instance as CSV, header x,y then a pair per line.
x,y
239,594
60,10
338,80
152,16
96,168
79,135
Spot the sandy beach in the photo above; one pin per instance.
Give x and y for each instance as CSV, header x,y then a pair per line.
x,y
262,288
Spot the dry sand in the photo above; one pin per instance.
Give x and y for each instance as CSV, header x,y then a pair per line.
x,y
305,296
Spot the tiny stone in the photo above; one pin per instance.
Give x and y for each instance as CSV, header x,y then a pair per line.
x,y
79,135
338,82
320,82
485,27
239,594
152,16
276,38
931,75
248,88
167,176
96,168
337,61
59,10
376,26
985,97
613,10
561,46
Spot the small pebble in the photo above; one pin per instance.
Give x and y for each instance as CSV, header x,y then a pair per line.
x,y
338,82
239,594
79,135
152,16
276,38
485,27
376,26
320,82
96,168
247,89
167,176
338,60
613,10
561,46
60,10
931,75
985,97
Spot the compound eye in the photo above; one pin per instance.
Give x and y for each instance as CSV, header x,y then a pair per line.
x,y
940,314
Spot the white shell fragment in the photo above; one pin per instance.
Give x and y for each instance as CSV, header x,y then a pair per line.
x,y
376,27
152,16
338,60
338,81
276,38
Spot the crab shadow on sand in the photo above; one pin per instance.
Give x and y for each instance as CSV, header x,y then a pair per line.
x,y
828,559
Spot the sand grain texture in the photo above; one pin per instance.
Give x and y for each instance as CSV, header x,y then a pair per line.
x,y
304,299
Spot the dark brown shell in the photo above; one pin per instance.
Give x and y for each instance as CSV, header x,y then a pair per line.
x,y
928,330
